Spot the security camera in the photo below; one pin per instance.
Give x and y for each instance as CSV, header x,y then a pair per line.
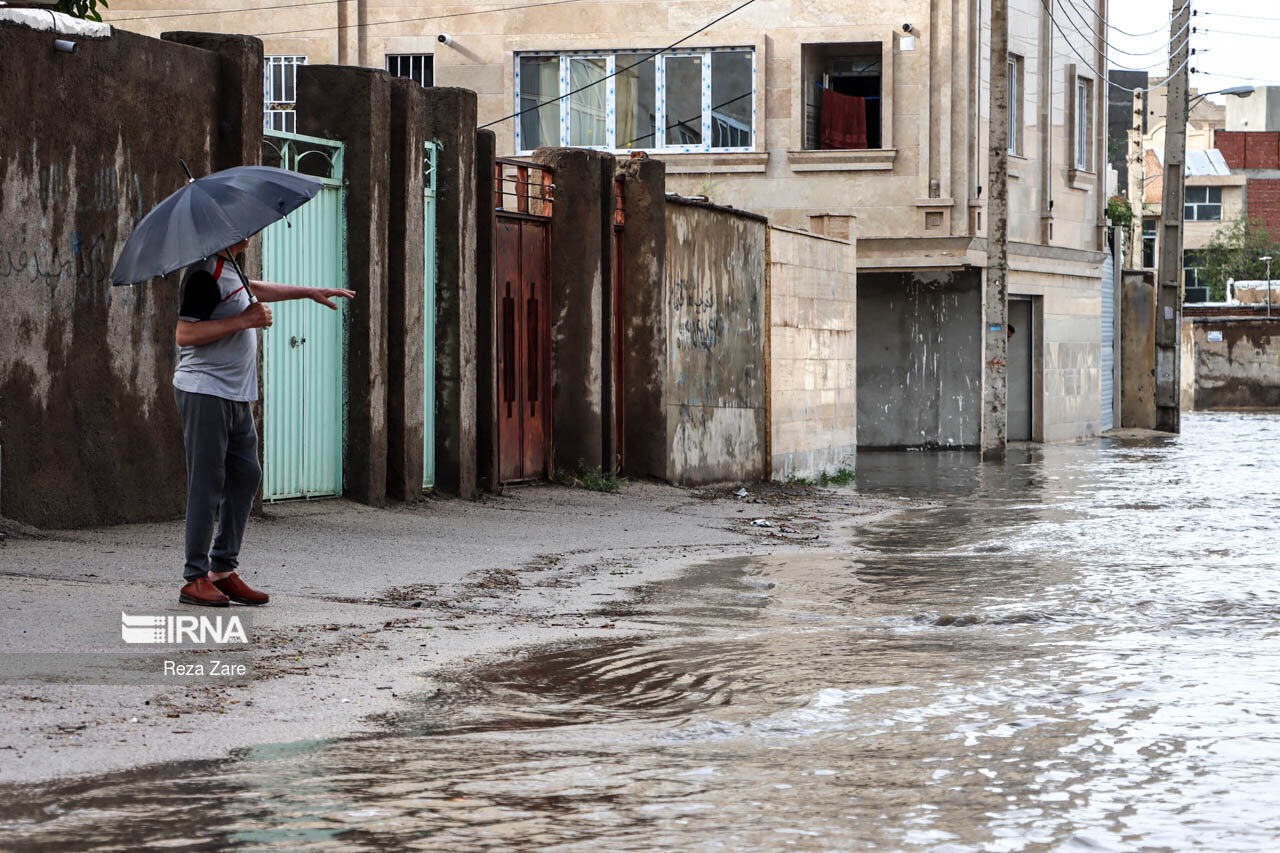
x,y
906,28
444,38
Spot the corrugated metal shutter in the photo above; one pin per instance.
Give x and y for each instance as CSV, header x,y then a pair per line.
x,y
1108,342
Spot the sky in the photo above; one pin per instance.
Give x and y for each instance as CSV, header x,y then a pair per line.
x,y
1237,42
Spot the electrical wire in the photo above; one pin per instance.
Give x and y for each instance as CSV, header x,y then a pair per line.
x,y
1242,35
114,19
1126,32
1102,76
1070,4
369,24
1234,15
618,71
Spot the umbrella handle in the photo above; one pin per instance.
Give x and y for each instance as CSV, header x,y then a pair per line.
x,y
244,279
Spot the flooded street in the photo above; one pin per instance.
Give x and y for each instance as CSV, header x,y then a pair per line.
x,y
1078,650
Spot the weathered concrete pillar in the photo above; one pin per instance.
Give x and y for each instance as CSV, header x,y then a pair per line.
x,y
581,306
644,312
360,118
405,292
239,123
486,318
1138,350
451,121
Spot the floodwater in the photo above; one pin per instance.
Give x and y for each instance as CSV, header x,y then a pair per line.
x,y
1078,650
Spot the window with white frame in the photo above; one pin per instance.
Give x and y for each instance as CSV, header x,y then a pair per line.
x,y
415,66
1202,204
1192,265
1083,122
1015,104
1148,242
684,101
280,92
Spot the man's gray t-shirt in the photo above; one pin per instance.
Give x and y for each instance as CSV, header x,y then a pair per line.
x,y
228,367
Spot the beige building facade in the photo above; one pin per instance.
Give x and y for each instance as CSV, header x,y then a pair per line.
x,y
799,109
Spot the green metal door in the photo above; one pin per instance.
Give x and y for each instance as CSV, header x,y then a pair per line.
x,y
429,316
304,363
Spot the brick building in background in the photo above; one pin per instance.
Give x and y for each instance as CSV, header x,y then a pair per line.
x,y
1256,154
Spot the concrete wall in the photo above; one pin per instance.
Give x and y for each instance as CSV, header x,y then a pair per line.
x,y
88,428
716,291
919,359
581,306
451,121
813,345
1138,350
405,293
361,119
1239,370
644,329
1067,357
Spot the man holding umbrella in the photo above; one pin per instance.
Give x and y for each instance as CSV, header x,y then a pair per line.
x,y
215,383
203,226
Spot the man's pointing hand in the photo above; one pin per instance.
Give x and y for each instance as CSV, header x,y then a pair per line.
x,y
325,295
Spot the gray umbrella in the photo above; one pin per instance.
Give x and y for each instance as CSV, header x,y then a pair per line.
x,y
210,214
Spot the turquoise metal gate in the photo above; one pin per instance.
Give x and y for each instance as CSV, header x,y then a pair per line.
x,y
429,316
304,362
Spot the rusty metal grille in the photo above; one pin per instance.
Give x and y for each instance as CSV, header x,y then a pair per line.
x,y
523,187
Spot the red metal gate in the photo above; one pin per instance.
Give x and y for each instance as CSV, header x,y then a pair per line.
x,y
522,260
619,317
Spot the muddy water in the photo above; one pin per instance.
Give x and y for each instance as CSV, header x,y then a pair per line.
x,y
1078,650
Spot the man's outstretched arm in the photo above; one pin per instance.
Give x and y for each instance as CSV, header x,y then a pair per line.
x,y
269,291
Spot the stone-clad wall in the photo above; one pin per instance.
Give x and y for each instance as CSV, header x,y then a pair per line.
x,y
1068,357
88,428
813,351
716,288
1231,363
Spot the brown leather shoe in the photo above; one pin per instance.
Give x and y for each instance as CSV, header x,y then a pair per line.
x,y
202,591
240,592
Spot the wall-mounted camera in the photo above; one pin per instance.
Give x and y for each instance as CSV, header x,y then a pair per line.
x,y
444,38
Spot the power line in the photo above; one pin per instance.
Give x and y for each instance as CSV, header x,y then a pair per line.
x,y
1126,32
1088,37
1233,15
1242,35
1100,75
425,18
1070,4
618,71
113,19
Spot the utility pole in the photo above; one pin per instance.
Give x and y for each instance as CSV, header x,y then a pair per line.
x,y
995,297
1169,274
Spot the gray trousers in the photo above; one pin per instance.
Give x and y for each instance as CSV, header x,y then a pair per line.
x,y
222,479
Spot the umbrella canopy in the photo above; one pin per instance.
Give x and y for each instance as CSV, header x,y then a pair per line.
x,y
210,214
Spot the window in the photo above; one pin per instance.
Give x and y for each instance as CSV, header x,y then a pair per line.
x,y
415,66
1192,263
1083,122
280,92
1203,204
843,97
1015,104
539,83
702,100
1148,243
588,108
